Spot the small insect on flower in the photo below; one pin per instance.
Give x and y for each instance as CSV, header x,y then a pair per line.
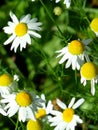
x,y
89,72
22,102
66,119
21,31
75,53
94,26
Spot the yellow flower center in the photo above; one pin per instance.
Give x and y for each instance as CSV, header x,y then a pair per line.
x,y
89,70
68,114
23,99
76,47
40,113
5,80
94,24
21,29
33,125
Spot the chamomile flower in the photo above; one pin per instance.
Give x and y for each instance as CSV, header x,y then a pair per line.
x,y
33,125
89,72
75,53
22,102
45,109
94,26
67,2
21,31
7,84
66,119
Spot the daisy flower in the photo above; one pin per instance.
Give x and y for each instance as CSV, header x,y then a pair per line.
x,y
75,53
94,26
66,119
33,125
21,30
89,72
22,102
7,84
45,109
67,2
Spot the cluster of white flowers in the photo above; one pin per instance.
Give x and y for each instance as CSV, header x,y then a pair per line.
x,y
31,107
28,105
76,54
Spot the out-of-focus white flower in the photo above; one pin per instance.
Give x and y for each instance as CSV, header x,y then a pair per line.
x,y
67,2
45,109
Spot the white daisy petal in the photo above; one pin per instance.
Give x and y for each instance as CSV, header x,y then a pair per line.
x,y
8,30
3,112
61,104
12,110
14,18
71,102
35,34
63,59
30,114
10,39
22,114
77,118
26,39
68,63
49,107
25,19
93,87
78,103
74,62
67,2
54,112
34,26
15,44
57,1
87,41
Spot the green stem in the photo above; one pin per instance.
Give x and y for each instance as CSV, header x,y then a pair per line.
x,y
12,121
16,128
76,76
51,17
